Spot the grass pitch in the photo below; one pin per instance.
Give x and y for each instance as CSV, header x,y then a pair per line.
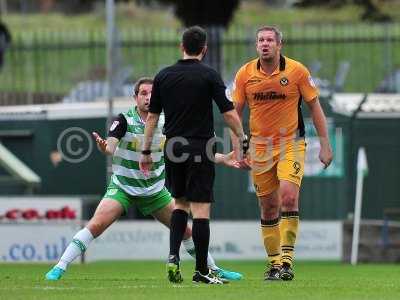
x,y
147,280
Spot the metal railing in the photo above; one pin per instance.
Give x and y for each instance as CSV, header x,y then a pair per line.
x,y
46,67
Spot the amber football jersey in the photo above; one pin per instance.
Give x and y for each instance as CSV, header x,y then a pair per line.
x,y
274,100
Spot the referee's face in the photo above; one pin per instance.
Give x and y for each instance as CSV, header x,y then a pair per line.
x,y
143,96
268,48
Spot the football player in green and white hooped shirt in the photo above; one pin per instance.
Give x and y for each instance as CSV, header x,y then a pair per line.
x,y
129,186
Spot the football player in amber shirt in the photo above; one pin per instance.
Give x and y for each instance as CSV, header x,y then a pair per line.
x,y
273,87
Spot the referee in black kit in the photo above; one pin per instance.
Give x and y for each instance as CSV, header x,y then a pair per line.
x,y
185,91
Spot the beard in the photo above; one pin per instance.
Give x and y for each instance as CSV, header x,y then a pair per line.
x,y
144,107
268,59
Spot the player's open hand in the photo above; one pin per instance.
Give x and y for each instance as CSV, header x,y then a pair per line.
x,y
242,159
227,160
145,164
244,164
101,143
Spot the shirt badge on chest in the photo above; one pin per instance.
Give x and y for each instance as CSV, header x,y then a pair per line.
x,y
284,81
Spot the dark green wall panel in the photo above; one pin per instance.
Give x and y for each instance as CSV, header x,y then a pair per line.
x,y
320,198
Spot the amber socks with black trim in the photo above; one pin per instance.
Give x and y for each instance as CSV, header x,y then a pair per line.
x,y
272,241
289,225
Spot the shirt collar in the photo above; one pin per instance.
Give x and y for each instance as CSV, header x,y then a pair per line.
x,y
282,65
189,60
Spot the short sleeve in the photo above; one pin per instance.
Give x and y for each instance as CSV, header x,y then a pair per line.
x,y
118,127
219,93
155,100
307,87
239,92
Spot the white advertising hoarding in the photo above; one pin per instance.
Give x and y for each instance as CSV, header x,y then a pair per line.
x,y
37,242
130,240
125,240
34,209
229,240
37,229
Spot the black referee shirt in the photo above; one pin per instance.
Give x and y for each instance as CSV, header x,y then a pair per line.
x,y
185,92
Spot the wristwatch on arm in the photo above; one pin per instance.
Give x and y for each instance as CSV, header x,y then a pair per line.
x,y
146,152
245,144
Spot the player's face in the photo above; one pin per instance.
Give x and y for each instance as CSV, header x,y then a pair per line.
x,y
143,96
268,47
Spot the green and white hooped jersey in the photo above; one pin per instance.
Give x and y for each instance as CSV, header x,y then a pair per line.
x,y
125,164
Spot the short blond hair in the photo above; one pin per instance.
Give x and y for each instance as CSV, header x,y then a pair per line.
x,y
275,29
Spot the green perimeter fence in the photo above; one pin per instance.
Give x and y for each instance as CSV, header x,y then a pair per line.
x,y
46,66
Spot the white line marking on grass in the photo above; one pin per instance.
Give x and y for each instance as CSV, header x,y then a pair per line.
x,y
61,288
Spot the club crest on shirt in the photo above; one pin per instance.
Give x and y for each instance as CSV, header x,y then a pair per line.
x,y
284,81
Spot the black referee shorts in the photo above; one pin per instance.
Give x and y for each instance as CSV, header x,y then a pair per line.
x,y
189,169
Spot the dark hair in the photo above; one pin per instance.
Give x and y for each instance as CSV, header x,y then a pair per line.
x,y
142,80
275,29
194,39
